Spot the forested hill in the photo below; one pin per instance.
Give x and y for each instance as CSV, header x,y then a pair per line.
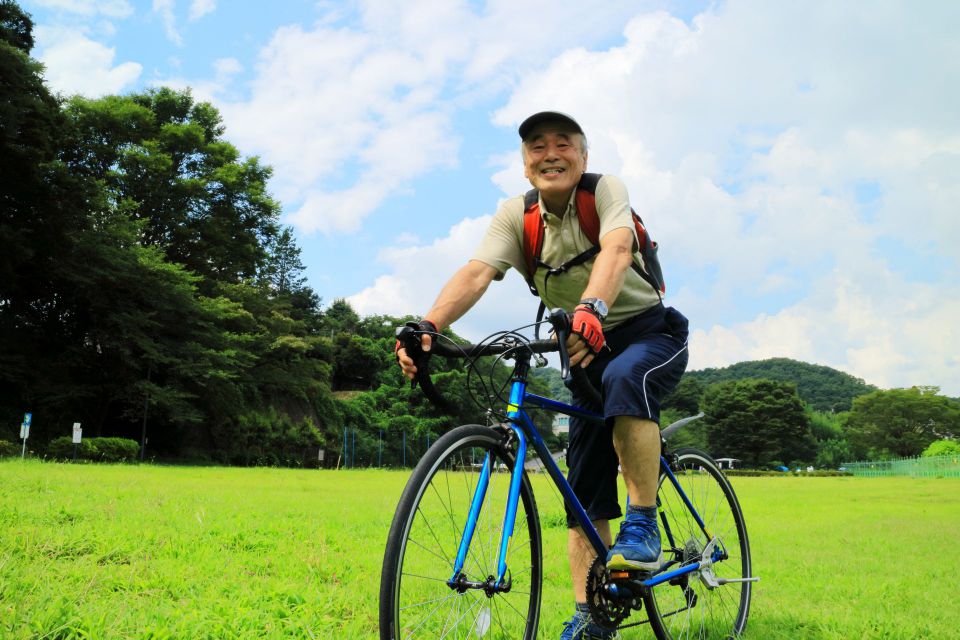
x,y
824,388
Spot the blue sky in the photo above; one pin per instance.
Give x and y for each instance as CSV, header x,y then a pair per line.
x,y
798,164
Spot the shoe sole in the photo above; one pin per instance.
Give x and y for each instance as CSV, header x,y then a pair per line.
x,y
618,562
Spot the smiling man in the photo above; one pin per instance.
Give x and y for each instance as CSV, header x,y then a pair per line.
x,y
632,347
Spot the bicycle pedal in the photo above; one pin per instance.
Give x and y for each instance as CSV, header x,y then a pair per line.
x,y
629,575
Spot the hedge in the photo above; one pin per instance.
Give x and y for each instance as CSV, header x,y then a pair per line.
x,y
96,449
822,473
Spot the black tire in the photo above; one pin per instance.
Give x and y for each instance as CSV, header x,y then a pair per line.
x,y
689,609
415,599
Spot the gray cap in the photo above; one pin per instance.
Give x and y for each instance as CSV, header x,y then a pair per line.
x,y
528,125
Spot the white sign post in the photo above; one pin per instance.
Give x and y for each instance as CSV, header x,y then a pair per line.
x,y
25,432
77,434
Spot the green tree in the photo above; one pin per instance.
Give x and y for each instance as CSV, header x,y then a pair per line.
x,y
685,398
16,27
161,156
283,268
758,421
340,318
942,448
900,422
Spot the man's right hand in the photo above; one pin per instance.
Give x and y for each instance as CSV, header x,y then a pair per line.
x,y
586,337
407,365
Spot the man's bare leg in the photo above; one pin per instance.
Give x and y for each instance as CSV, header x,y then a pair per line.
x,y
637,442
637,547
581,554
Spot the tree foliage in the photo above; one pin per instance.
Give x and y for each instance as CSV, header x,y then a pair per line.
x,y
145,279
942,448
758,421
823,388
900,422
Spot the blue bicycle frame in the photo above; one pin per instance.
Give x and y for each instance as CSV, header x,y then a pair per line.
x,y
524,431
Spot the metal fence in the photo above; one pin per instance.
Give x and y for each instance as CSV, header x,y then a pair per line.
x,y
932,467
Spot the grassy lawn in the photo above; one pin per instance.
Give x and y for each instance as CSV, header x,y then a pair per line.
x,y
99,551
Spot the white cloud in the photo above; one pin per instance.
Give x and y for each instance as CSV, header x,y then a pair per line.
x,y
798,164
411,286
348,116
331,98
902,339
164,8
89,8
200,8
76,64
225,71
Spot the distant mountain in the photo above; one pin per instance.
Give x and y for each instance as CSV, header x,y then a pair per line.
x,y
824,388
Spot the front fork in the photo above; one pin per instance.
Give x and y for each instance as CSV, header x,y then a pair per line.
x,y
499,583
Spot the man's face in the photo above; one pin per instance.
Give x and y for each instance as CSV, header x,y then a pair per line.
x,y
554,160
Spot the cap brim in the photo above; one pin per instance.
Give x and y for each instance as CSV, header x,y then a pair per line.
x,y
531,123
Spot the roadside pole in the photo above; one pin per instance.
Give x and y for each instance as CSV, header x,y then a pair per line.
x,y
25,433
77,434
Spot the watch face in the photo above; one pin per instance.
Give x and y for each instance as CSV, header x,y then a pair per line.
x,y
599,306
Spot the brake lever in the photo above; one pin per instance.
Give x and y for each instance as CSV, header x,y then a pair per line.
x,y
560,322
408,338
572,379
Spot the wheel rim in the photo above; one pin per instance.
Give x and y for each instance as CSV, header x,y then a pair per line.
x,y
426,607
691,609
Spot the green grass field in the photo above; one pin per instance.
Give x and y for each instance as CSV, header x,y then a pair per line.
x,y
97,551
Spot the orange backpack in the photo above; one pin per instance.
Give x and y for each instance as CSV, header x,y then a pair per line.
x,y
586,201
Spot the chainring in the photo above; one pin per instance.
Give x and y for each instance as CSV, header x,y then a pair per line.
x,y
606,613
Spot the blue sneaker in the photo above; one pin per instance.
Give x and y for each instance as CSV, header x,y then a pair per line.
x,y
637,547
581,627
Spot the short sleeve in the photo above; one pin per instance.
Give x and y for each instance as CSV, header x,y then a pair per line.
x,y
613,207
502,244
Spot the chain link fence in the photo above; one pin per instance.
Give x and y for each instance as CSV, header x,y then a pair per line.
x,y
931,467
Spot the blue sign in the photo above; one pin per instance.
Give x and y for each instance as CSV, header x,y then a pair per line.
x,y
27,417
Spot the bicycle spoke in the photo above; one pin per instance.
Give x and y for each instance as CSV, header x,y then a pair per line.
x,y
694,610
436,511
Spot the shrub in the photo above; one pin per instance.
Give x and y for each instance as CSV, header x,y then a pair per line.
x,y
116,449
98,449
8,449
942,448
62,449
819,473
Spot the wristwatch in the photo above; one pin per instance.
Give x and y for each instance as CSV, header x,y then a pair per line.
x,y
598,306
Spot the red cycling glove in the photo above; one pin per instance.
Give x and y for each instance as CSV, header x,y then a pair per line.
x,y
587,325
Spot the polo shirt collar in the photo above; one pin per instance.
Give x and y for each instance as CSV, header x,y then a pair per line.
x,y
571,205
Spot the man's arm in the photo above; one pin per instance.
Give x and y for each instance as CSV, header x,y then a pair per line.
x,y
457,297
606,280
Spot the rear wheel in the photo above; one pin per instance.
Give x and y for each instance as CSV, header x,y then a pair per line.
x,y
690,606
416,599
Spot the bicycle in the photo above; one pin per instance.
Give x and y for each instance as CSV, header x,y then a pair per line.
x,y
464,552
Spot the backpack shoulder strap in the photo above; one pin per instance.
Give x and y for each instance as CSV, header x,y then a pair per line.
x,y
586,200
590,224
532,235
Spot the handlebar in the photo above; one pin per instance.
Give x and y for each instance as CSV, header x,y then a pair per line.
x,y
574,378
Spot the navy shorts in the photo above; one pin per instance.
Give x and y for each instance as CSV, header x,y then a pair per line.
x,y
647,357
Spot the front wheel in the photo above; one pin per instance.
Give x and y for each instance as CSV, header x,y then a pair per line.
x,y
712,604
416,599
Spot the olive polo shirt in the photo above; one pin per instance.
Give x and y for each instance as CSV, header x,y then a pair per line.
x,y
502,248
